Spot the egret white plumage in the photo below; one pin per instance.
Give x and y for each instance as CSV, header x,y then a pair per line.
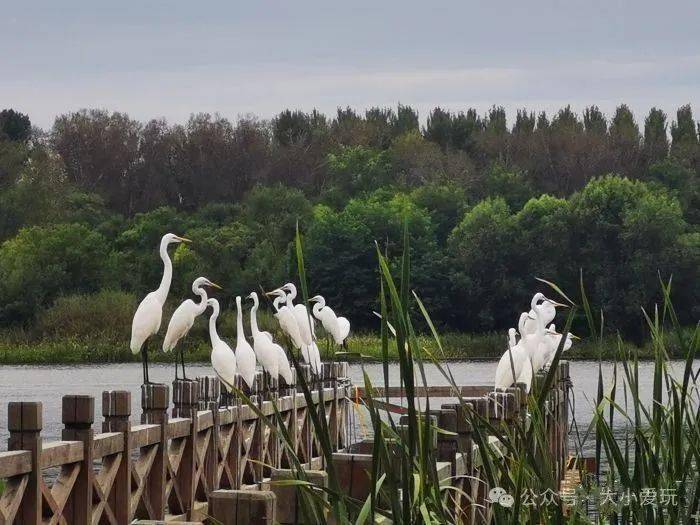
x,y
514,365
548,310
149,313
286,318
517,363
291,321
245,356
304,320
337,327
266,351
223,360
551,342
183,318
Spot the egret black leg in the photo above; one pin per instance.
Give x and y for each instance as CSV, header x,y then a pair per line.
x,y
182,362
143,364
176,365
144,356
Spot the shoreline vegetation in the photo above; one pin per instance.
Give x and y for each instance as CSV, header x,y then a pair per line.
x,y
456,346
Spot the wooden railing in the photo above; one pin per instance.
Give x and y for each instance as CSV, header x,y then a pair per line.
x,y
171,465
501,408
164,468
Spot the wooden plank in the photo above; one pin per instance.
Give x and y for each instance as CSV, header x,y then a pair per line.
x,y
238,507
14,463
144,435
205,419
179,427
423,391
59,453
107,443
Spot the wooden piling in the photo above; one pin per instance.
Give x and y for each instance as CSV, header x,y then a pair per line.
x,y
243,507
289,501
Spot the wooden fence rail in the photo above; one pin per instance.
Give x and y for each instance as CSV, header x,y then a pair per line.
x,y
163,468
169,465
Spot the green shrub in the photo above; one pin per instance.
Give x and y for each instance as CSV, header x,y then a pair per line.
x,y
107,313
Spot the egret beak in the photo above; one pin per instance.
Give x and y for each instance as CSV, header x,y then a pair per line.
x,y
574,336
274,292
558,304
184,239
215,285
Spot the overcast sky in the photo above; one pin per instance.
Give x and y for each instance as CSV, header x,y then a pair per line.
x,y
172,58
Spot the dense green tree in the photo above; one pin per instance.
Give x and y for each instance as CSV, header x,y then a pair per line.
x,y
524,122
682,182
446,204
341,253
684,136
406,120
625,236
625,142
41,263
513,186
485,267
594,121
14,126
273,213
355,169
655,147
439,128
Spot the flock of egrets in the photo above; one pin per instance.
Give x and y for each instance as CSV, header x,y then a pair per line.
x,y
536,346
295,320
526,355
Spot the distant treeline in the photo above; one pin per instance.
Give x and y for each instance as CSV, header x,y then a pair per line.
x,y
489,207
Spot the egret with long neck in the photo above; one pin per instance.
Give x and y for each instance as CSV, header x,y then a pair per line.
x,y
245,356
184,317
223,360
149,313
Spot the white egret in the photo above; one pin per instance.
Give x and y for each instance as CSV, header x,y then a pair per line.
x,y
223,360
291,323
549,347
514,365
337,327
183,318
286,318
517,364
245,356
265,349
304,320
149,313
548,310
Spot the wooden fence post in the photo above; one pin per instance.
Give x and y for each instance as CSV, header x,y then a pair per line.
x,y
24,421
116,409
243,507
155,399
209,392
565,380
78,415
186,404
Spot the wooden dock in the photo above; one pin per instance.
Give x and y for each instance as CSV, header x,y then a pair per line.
x,y
194,459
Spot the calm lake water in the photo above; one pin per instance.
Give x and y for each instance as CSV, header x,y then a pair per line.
x,y
48,383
